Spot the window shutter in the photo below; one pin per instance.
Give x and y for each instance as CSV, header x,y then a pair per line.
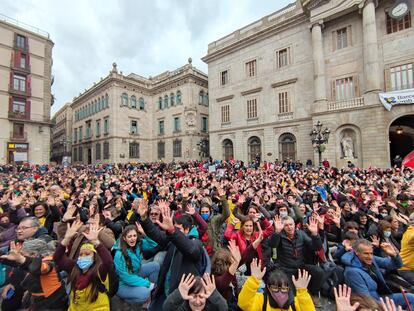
x,y
356,85
28,104
333,90
11,80
26,43
10,104
349,35
28,85
387,78
28,66
16,58
334,39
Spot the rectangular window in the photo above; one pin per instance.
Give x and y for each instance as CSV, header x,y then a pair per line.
x,y
177,124
283,58
225,114
284,102
134,150
402,77
75,154
22,61
19,106
75,135
251,68
161,149
224,77
394,25
106,126
88,130
106,150
98,127
80,157
19,83
341,38
251,108
20,41
98,151
204,124
177,148
134,127
18,130
80,134
344,88
161,127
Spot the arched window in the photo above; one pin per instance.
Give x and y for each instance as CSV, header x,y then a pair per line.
x,y
160,103
201,97
141,104
166,101
124,98
133,101
287,146
172,97
255,148
178,97
228,153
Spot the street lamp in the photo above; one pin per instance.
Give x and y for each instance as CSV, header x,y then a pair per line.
x,y
203,148
318,138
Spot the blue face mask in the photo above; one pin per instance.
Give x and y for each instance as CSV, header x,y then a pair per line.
x,y
85,262
205,216
387,234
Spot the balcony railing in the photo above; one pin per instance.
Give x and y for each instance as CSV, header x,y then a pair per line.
x,y
18,68
19,115
18,137
285,116
346,104
27,91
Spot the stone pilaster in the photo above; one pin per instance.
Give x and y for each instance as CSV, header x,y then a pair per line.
x,y
371,63
318,62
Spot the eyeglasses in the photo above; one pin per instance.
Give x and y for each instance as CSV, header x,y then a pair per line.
x,y
24,228
154,214
282,289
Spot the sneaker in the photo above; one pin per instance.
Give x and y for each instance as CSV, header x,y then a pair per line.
x,y
316,301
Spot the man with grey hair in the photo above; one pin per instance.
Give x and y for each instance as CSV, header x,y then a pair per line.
x,y
29,228
407,252
364,275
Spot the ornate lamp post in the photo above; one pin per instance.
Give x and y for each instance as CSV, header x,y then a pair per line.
x,y
318,138
203,148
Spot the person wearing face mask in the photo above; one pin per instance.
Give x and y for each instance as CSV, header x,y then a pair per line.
x,y
407,252
195,294
278,294
88,273
7,231
136,279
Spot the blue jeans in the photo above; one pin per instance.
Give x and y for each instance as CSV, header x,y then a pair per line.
x,y
140,294
400,301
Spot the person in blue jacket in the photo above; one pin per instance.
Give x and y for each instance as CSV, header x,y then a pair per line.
x,y
136,280
363,271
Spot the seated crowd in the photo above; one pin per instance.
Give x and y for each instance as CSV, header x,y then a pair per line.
x,y
276,236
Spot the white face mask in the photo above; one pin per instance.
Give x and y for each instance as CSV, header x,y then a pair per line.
x,y
283,214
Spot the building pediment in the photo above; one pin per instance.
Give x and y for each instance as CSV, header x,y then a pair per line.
x,y
329,9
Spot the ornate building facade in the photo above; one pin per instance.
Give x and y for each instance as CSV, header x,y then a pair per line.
x,y
135,119
314,60
25,93
61,145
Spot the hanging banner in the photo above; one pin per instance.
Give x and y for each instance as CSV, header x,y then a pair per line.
x,y
391,99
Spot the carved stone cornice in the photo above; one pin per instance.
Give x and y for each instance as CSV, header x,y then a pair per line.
x,y
285,82
252,91
221,99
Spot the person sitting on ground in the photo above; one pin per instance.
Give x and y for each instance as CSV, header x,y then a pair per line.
x,y
195,294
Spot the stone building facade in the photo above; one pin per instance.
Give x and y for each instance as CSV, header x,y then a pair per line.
x,y
314,60
129,118
61,145
25,93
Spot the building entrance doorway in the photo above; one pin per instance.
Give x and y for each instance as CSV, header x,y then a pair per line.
x,y
89,155
401,136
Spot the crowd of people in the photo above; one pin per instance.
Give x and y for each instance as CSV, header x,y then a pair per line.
x,y
212,235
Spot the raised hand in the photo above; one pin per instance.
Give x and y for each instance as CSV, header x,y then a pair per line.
x,y
389,305
70,211
278,223
71,231
389,249
313,226
255,268
259,239
234,250
209,284
187,281
14,254
343,299
139,228
142,208
167,220
347,245
375,240
303,279
190,209
93,233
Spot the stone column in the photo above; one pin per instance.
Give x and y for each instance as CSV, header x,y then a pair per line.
x,y
318,62
371,64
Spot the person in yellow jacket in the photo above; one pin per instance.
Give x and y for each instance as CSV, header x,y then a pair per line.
x,y
277,293
407,252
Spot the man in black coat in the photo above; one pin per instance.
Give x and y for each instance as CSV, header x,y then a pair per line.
x,y
184,250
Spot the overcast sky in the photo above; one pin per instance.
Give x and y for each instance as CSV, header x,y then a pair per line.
x,y
146,37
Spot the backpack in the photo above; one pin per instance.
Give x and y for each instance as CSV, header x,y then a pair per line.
x,y
111,284
333,276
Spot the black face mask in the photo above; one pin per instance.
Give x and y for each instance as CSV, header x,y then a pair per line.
x,y
4,225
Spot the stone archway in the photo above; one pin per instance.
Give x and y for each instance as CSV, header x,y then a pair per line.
x,y
401,137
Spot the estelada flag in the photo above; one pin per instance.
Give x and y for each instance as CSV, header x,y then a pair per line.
x,y
409,160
